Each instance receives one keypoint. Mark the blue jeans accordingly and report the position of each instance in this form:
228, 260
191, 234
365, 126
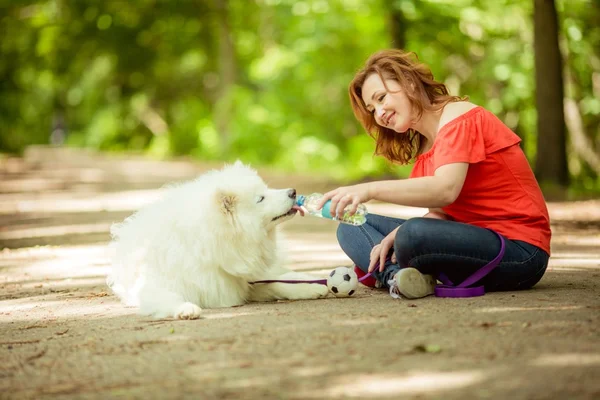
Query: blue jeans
436, 246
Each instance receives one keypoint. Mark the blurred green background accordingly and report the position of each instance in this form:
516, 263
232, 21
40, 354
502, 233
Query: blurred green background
266, 80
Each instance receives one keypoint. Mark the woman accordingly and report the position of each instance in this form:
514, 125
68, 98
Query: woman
468, 170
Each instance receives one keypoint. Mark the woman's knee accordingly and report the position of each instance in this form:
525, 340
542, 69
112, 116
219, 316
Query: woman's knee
412, 232
410, 238
345, 232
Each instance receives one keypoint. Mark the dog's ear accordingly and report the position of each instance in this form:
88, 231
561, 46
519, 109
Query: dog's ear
227, 202
238, 163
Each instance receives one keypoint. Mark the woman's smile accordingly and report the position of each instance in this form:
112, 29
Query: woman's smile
391, 119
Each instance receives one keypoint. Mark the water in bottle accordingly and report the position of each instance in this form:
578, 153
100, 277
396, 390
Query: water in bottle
310, 205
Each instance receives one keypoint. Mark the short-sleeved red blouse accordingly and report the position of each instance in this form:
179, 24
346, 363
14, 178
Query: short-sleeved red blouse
500, 191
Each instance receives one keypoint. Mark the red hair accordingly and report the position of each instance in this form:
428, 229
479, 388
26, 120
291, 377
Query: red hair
425, 94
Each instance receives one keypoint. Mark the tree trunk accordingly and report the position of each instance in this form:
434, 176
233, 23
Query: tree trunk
397, 25
551, 160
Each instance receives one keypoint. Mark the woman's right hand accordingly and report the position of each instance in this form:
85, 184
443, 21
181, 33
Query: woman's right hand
347, 196
379, 252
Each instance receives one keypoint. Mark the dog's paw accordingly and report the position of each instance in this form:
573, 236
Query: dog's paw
188, 311
310, 291
322, 291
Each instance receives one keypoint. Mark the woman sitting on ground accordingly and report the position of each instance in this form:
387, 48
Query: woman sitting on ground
469, 170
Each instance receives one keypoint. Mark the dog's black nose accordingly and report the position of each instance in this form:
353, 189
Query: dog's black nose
292, 193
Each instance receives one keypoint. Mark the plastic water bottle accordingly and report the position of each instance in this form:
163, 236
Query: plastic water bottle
310, 203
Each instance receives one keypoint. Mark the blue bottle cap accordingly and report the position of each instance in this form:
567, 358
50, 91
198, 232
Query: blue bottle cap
300, 200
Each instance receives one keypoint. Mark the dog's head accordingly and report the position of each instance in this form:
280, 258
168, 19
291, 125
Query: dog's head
244, 199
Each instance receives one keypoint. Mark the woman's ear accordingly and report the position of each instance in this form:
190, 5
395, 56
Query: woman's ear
411, 85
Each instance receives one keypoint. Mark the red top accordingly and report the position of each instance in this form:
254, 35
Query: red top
500, 191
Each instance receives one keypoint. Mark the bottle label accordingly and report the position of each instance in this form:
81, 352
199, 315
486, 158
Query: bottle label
325, 210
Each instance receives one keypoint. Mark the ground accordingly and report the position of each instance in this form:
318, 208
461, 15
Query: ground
64, 335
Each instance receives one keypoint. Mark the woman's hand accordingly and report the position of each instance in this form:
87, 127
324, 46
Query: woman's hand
379, 252
344, 196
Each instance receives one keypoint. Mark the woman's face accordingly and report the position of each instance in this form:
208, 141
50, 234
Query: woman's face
391, 109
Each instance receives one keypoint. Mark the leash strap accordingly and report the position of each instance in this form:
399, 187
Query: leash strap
448, 289
317, 281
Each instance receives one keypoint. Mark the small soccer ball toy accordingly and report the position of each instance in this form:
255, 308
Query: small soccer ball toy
342, 282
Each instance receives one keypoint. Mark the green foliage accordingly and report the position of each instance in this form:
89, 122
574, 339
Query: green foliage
266, 80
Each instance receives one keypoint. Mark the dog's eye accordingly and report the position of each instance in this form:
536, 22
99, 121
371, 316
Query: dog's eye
260, 198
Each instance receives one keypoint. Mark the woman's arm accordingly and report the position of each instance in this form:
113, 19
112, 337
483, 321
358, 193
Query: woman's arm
437, 213
430, 191
435, 191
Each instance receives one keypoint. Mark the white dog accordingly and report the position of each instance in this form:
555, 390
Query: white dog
202, 243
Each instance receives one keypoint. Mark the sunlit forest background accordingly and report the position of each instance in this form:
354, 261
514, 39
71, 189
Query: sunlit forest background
266, 80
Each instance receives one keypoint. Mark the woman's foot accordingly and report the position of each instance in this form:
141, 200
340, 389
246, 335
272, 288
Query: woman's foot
413, 285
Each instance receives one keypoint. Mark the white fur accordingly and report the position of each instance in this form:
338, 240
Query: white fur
201, 245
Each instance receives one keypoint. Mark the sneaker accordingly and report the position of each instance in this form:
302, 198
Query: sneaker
412, 284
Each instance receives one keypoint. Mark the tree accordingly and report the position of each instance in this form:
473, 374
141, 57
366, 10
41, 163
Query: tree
266, 81
551, 161
397, 26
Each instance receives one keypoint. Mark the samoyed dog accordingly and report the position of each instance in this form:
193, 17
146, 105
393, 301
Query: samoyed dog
203, 243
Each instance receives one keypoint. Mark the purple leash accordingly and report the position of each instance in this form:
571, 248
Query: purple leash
447, 289
317, 281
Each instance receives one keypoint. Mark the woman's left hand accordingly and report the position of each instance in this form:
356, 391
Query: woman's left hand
344, 196
380, 252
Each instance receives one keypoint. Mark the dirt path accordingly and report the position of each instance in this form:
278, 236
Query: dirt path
63, 335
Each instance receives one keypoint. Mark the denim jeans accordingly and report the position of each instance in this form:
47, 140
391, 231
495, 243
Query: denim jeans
435, 246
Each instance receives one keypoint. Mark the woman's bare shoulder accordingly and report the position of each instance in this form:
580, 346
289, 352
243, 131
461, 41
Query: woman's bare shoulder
454, 110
